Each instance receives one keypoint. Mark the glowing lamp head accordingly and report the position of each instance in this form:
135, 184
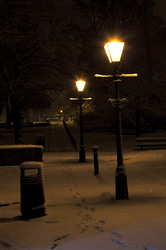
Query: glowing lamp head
80, 85
114, 50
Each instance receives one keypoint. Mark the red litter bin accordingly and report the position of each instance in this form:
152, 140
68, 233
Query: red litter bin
32, 189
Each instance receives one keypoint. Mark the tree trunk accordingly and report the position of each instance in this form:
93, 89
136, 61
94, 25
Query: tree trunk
17, 124
8, 119
137, 114
17, 127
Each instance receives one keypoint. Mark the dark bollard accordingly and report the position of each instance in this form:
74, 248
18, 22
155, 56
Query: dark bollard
32, 190
40, 140
96, 166
82, 157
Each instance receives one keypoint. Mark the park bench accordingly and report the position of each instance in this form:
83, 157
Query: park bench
151, 142
16, 154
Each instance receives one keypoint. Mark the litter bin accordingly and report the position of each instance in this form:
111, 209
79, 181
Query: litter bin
40, 140
32, 189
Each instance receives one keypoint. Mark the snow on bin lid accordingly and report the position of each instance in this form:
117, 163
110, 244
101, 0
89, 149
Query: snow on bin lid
31, 164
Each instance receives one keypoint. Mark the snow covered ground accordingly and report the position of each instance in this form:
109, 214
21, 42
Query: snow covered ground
82, 213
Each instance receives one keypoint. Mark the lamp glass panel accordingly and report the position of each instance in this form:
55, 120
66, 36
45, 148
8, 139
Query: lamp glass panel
80, 85
106, 47
114, 50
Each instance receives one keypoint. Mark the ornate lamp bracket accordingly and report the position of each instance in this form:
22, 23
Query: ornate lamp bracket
120, 103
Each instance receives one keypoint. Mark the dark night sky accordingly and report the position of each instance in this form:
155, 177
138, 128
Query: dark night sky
160, 8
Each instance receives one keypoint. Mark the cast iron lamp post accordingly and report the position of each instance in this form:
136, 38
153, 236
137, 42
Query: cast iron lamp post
80, 84
114, 51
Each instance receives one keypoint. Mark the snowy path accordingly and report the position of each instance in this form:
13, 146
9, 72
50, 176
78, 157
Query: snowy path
82, 213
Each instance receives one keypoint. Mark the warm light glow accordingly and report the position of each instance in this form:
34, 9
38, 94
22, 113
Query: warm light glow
80, 85
114, 50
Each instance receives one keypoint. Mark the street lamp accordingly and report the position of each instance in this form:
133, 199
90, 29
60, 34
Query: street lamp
80, 84
114, 51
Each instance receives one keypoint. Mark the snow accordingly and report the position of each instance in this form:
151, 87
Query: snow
82, 213
19, 146
31, 164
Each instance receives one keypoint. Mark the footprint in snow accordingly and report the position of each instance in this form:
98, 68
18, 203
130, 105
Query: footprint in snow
121, 243
58, 239
117, 234
149, 248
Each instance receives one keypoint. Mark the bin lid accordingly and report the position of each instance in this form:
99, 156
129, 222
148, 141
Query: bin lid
31, 165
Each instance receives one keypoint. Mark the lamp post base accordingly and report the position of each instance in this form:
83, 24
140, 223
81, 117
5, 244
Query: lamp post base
121, 183
82, 157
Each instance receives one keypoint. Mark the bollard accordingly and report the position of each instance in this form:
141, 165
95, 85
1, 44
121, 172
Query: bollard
40, 140
82, 157
96, 166
32, 190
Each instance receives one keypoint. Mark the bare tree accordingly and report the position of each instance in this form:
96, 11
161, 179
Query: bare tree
39, 48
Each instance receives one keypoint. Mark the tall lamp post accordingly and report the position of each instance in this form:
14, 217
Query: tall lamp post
80, 84
114, 51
